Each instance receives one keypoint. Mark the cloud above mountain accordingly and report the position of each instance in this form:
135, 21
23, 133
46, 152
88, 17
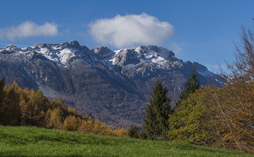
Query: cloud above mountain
28, 29
123, 31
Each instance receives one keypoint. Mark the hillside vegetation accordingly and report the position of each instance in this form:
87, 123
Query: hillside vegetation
33, 141
207, 115
27, 107
221, 117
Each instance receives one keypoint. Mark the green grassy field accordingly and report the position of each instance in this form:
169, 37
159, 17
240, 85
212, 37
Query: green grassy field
32, 141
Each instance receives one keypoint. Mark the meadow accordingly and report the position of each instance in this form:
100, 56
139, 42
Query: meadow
33, 141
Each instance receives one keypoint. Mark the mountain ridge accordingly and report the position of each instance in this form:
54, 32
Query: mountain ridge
112, 86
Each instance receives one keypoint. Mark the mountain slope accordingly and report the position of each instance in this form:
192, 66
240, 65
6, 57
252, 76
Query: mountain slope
112, 86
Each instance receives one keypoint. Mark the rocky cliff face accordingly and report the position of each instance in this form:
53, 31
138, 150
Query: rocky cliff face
112, 86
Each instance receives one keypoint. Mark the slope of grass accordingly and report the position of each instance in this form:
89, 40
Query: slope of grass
32, 141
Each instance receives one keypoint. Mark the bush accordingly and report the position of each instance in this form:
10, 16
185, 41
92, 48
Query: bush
133, 132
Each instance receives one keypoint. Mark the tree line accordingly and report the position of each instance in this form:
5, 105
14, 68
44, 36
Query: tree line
207, 115
27, 107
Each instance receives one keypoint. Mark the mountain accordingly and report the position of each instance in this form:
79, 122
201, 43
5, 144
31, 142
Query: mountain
112, 86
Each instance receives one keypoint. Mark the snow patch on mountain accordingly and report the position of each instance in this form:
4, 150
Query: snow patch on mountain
129, 59
142, 54
65, 55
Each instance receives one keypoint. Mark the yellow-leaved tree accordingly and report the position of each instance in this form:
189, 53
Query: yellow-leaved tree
194, 120
235, 101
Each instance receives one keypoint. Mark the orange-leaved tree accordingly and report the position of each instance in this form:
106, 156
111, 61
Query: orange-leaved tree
235, 101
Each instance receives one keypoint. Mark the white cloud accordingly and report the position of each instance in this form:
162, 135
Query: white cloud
123, 31
28, 29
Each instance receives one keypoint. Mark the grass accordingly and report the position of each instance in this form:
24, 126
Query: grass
32, 141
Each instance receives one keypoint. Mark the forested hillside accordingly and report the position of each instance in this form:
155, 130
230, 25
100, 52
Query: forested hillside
28, 107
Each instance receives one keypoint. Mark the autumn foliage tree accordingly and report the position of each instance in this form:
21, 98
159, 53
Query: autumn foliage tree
236, 100
221, 117
54, 118
2, 96
2, 93
35, 108
10, 107
235, 117
71, 123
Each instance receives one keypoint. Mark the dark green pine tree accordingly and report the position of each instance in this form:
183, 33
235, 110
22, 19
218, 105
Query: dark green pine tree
155, 123
190, 86
2, 97
133, 132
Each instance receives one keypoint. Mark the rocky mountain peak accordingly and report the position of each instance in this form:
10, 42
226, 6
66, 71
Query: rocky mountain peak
43, 45
72, 43
125, 56
112, 86
103, 52
152, 55
10, 49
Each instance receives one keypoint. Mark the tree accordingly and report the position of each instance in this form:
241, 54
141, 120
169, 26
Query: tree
54, 118
71, 123
238, 107
235, 101
2, 94
121, 132
155, 123
23, 99
10, 107
91, 126
190, 86
133, 131
193, 120
35, 108
243, 67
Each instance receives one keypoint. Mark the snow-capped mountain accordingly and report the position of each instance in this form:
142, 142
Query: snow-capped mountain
110, 85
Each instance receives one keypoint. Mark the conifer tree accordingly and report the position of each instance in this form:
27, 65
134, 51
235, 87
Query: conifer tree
190, 86
133, 132
157, 112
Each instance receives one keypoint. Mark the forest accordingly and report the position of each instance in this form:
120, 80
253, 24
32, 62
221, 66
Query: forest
204, 115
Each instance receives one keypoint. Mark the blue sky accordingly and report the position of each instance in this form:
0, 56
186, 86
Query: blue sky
196, 30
